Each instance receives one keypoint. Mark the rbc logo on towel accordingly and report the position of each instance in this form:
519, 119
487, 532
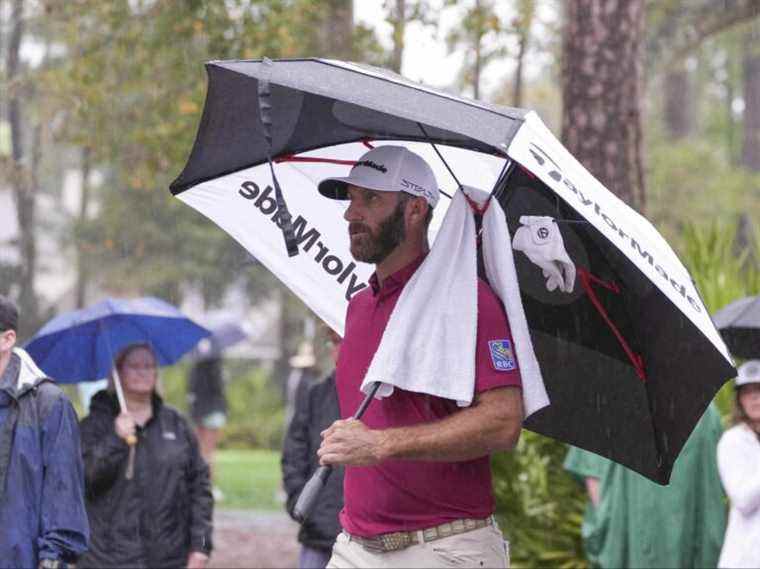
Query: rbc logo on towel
502, 357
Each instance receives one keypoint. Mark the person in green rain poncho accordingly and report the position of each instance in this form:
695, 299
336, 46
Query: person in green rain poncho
633, 522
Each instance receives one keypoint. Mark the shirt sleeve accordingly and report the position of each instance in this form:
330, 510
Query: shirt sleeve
64, 529
738, 464
496, 362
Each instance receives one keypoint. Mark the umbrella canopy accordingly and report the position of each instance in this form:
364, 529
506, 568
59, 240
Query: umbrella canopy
630, 359
223, 336
228, 334
81, 345
318, 103
739, 324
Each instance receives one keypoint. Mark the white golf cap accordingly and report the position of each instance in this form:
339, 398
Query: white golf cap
749, 372
387, 169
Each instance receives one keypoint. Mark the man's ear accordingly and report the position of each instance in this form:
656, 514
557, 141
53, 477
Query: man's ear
418, 210
7, 340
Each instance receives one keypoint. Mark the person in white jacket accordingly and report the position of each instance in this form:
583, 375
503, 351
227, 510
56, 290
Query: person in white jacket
739, 466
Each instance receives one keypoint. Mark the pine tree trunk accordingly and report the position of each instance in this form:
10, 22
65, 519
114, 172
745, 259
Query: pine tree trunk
84, 206
22, 178
517, 88
526, 10
398, 21
751, 142
339, 28
680, 111
601, 92
478, 49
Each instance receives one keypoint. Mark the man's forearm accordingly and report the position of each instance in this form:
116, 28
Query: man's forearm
492, 423
471, 433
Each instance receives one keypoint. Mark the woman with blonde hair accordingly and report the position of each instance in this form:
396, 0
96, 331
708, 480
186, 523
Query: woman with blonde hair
153, 508
739, 465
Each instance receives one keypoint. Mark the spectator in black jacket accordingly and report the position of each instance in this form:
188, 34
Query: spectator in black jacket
162, 515
316, 408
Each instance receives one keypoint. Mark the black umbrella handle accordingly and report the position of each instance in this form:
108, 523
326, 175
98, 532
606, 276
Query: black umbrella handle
308, 497
367, 399
311, 491
130, 472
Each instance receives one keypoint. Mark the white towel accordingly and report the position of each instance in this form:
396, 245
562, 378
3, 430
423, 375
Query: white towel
502, 275
429, 342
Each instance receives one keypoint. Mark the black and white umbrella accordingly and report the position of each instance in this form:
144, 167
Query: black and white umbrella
630, 358
739, 324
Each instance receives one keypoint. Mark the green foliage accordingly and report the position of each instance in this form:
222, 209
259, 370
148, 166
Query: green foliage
481, 27
249, 479
722, 274
540, 506
256, 409
173, 385
690, 182
255, 416
129, 85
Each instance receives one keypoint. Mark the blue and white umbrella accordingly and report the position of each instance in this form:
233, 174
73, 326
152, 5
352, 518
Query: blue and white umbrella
81, 345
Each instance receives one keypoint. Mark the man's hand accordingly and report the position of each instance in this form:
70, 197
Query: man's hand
350, 442
594, 492
125, 426
197, 560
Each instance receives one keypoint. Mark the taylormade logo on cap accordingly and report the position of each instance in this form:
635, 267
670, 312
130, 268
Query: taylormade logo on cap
371, 164
387, 169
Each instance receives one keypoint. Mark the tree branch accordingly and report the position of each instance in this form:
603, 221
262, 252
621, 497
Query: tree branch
687, 26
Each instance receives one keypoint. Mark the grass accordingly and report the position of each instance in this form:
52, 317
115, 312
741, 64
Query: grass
249, 479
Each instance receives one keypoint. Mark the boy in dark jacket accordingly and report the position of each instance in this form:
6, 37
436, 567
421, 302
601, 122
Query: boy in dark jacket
316, 408
43, 522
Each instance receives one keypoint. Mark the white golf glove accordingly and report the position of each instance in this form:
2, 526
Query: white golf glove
539, 238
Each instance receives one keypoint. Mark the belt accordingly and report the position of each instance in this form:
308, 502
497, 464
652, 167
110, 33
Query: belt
398, 540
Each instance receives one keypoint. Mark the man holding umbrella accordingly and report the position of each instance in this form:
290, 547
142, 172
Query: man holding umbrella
42, 515
417, 481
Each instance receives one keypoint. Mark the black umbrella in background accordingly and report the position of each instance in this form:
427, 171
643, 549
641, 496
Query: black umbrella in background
739, 324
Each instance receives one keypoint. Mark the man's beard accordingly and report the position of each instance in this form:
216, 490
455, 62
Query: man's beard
370, 248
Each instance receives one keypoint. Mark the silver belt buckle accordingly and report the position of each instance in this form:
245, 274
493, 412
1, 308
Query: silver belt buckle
395, 541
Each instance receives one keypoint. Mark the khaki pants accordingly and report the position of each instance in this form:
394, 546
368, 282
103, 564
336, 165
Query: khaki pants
484, 547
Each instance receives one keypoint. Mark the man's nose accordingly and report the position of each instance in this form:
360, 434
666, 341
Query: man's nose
352, 212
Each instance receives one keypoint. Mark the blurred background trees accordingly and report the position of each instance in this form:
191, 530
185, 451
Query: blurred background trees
100, 101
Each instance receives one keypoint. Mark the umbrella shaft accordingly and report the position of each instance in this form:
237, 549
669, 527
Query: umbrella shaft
119, 391
367, 399
130, 473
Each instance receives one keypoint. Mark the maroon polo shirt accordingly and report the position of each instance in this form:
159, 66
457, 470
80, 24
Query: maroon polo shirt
404, 494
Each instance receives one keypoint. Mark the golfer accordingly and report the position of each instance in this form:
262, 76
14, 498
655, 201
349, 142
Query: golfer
417, 484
